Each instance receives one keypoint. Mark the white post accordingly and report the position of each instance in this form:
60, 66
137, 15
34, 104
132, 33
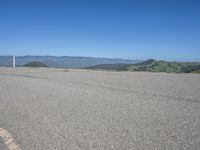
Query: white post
13, 61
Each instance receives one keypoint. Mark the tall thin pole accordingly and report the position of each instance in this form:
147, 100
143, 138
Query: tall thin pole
13, 61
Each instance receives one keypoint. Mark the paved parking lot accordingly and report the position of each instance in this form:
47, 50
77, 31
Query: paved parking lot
56, 109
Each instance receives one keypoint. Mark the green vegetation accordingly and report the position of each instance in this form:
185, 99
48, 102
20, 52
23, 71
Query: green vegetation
117, 67
152, 65
35, 64
157, 66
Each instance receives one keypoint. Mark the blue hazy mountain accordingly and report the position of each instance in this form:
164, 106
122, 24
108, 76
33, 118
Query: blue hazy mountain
64, 61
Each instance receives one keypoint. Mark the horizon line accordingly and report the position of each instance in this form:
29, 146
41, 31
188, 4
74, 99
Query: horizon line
100, 57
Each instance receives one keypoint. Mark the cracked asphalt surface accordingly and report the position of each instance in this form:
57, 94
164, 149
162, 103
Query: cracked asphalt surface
98, 110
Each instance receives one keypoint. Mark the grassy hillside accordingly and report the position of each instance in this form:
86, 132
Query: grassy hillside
117, 67
35, 64
152, 65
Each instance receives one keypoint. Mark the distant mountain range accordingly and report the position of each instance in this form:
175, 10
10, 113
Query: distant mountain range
152, 65
64, 61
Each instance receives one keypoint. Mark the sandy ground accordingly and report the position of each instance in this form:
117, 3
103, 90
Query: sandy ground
59, 110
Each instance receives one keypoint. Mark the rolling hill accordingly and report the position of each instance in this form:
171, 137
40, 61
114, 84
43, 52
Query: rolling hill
152, 65
35, 64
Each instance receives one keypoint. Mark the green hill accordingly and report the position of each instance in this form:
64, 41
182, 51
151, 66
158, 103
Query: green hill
117, 67
163, 66
35, 64
152, 65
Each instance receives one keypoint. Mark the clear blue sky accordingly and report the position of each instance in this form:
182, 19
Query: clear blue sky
135, 29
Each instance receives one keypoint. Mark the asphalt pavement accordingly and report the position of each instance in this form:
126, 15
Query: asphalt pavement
2, 145
56, 109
